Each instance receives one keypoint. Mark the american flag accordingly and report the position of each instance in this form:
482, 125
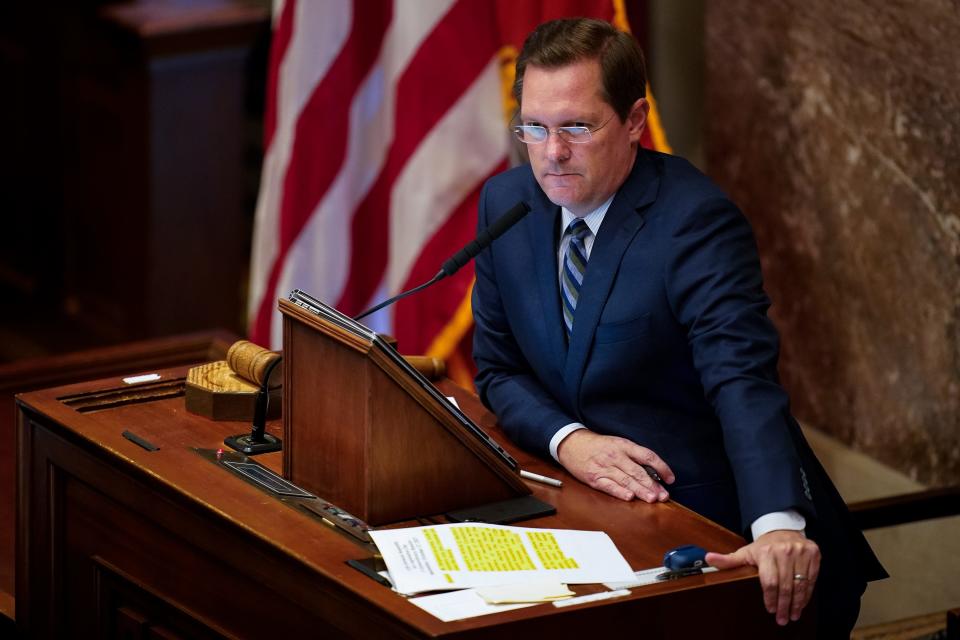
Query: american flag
384, 118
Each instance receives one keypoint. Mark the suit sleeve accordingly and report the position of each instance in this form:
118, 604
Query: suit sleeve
507, 385
715, 288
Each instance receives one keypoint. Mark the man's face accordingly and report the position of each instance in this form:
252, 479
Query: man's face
579, 177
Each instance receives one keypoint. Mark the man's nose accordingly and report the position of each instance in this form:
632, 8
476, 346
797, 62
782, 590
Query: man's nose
557, 148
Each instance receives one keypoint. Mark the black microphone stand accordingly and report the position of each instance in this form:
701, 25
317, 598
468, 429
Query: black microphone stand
258, 440
440, 275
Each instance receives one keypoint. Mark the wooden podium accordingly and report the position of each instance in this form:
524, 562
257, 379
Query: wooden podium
367, 431
114, 540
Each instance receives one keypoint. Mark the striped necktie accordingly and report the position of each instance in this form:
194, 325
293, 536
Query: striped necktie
574, 266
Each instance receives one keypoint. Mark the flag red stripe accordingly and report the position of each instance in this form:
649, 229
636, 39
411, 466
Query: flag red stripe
432, 83
518, 19
320, 141
282, 34
418, 321
320, 138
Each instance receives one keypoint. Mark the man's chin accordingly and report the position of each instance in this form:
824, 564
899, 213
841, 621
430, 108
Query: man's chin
562, 197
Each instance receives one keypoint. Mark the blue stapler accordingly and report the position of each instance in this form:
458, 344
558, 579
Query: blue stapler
686, 560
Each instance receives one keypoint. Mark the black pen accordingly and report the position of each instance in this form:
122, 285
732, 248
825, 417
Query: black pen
369, 572
652, 473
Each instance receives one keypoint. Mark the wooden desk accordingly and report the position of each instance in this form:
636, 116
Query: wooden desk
49, 371
114, 539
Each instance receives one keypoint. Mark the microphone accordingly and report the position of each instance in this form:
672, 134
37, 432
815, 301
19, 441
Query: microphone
485, 238
462, 257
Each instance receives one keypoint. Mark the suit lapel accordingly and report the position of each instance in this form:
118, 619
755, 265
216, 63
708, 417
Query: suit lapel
621, 224
542, 234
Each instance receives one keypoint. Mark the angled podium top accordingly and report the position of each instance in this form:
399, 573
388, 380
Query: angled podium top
364, 428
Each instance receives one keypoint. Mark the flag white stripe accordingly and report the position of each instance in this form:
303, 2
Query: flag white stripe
317, 37
457, 154
319, 257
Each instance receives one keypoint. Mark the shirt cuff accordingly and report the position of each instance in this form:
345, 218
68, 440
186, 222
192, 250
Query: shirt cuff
789, 519
560, 435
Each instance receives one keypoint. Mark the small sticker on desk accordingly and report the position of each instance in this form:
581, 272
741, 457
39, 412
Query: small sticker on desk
147, 377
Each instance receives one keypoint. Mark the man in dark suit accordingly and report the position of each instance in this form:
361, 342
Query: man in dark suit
623, 323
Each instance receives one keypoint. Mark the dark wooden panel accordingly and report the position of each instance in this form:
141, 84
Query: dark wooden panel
27, 375
158, 235
133, 161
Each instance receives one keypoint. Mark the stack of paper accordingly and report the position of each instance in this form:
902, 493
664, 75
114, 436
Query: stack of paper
534, 563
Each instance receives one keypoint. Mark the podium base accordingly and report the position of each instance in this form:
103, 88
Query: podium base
244, 443
504, 511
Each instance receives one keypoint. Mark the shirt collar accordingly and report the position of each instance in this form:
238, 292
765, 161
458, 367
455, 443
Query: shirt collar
593, 219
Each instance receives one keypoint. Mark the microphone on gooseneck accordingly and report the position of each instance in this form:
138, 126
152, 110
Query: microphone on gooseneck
462, 257
485, 238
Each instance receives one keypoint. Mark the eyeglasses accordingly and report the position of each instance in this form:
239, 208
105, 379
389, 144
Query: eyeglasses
536, 134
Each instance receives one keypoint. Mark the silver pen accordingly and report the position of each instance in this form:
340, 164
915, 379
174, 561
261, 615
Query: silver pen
539, 478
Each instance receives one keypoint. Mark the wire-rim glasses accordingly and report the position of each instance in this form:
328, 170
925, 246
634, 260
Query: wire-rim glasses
538, 134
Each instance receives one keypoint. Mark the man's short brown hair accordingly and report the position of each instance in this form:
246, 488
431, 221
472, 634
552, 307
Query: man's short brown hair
561, 42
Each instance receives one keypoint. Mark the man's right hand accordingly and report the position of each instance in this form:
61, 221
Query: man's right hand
614, 465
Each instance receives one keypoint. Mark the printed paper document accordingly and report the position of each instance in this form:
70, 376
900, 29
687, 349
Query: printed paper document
465, 555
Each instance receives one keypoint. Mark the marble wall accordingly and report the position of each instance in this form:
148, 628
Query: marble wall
836, 127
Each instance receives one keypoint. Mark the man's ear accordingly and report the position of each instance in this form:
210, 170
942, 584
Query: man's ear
637, 119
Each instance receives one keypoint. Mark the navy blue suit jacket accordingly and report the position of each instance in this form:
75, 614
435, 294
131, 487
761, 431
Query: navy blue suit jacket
671, 345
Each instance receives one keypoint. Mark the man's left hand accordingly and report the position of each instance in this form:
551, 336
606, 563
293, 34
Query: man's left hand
788, 565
